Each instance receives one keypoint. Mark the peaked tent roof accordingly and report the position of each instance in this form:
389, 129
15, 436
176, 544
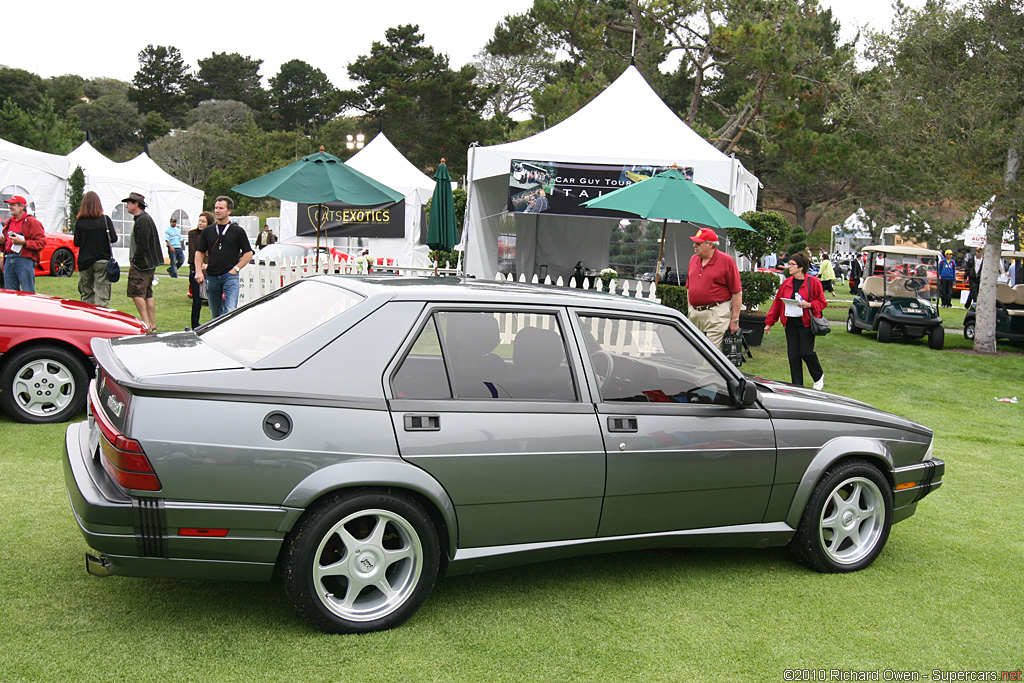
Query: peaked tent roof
382, 161
91, 160
145, 169
44, 177
626, 124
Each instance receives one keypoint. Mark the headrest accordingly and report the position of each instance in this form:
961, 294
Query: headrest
472, 334
537, 350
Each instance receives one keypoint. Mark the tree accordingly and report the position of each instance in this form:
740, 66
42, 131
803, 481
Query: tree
194, 154
42, 130
429, 110
76, 190
946, 112
161, 83
771, 229
22, 88
511, 80
227, 114
230, 76
112, 121
66, 91
302, 97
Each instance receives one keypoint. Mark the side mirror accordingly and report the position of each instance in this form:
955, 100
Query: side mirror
744, 392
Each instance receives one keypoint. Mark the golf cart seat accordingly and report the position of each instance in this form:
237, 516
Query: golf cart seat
874, 290
1007, 296
1019, 289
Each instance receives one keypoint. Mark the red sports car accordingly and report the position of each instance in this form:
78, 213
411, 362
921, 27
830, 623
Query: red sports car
45, 355
59, 257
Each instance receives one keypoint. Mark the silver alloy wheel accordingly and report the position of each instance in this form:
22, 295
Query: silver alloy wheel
852, 520
367, 565
43, 387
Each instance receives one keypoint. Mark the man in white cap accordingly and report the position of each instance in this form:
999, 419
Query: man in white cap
713, 288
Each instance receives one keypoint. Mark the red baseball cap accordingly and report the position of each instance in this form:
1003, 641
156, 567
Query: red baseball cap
705, 235
16, 199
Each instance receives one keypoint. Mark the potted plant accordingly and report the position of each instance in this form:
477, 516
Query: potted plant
770, 229
608, 276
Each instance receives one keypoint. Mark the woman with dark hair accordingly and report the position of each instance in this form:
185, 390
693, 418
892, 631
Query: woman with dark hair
205, 218
94, 233
809, 296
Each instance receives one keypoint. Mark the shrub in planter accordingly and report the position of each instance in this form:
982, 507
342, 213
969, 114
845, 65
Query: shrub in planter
758, 289
673, 297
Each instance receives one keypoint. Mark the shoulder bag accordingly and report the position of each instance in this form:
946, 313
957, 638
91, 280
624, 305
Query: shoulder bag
819, 326
113, 270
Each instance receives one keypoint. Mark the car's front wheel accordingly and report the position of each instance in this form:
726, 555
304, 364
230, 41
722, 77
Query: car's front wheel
851, 326
884, 331
62, 263
361, 561
847, 519
43, 384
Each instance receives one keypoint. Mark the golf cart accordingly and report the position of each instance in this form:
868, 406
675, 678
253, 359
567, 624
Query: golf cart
900, 299
1009, 309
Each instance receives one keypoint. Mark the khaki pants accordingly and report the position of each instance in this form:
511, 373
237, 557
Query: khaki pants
93, 285
713, 322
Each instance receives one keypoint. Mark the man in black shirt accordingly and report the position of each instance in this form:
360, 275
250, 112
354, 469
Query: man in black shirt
224, 246
144, 254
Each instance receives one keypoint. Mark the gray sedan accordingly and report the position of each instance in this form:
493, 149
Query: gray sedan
361, 437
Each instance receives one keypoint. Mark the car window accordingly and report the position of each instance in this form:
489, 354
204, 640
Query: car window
490, 355
278, 253
643, 361
256, 331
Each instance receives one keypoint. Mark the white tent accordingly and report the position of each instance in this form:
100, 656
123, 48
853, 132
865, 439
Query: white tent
166, 196
382, 161
626, 125
40, 177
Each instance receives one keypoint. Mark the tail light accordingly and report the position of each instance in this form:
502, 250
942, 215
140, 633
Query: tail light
123, 458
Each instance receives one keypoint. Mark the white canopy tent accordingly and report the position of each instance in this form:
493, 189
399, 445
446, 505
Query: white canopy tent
382, 161
40, 177
166, 196
628, 125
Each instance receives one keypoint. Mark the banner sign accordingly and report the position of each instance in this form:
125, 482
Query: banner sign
338, 219
558, 187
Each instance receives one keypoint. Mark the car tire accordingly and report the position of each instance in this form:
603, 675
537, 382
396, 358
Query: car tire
969, 331
43, 384
851, 325
936, 337
847, 519
884, 331
369, 540
62, 263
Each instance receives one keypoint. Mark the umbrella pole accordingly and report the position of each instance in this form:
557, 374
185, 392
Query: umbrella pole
319, 225
661, 250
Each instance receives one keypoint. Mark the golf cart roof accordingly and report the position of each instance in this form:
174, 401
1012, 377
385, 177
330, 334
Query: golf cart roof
902, 251
1012, 254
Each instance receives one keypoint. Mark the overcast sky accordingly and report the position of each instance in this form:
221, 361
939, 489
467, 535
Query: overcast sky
60, 36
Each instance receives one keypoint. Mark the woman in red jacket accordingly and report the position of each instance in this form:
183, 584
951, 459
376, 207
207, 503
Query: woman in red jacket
810, 297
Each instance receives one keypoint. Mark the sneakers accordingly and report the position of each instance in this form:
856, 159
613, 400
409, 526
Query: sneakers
819, 383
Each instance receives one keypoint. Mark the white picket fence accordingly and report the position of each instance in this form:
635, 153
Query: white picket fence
614, 286
257, 280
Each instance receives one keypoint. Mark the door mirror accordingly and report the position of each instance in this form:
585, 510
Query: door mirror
744, 392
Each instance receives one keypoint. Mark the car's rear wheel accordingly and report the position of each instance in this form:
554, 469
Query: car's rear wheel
884, 331
851, 325
361, 562
43, 384
847, 519
62, 263
936, 337
969, 331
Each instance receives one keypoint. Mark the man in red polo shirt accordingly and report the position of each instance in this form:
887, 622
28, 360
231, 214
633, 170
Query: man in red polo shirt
713, 288
24, 238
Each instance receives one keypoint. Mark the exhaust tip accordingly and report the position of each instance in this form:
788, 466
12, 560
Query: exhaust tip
97, 566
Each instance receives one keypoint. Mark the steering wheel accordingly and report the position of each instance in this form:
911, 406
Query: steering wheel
604, 367
915, 284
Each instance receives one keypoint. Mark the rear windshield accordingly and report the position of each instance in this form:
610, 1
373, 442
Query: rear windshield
278, 319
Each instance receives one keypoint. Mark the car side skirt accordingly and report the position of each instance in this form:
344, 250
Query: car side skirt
470, 560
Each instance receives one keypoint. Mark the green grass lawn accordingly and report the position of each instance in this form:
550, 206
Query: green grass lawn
947, 592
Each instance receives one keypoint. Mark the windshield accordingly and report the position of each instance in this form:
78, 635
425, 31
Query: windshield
254, 332
278, 253
910, 276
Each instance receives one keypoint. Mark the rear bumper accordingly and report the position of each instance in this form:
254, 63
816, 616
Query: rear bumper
142, 536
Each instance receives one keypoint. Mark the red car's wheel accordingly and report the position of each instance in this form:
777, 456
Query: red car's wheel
62, 263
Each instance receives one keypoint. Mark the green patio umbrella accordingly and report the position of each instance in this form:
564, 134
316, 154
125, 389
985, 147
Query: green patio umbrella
441, 230
669, 195
317, 179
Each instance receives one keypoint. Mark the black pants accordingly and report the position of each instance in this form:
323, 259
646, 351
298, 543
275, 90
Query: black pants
197, 301
946, 291
972, 294
800, 349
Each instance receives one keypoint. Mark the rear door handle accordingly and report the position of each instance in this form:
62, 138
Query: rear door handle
622, 423
422, 423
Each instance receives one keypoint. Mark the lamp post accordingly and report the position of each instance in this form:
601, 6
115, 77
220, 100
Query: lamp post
355, 141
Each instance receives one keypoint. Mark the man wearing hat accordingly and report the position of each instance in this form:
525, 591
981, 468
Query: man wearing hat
24, 238
145, 254
947, 276
713, 291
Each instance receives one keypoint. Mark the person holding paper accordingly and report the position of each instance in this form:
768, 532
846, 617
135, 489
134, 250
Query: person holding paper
799, 297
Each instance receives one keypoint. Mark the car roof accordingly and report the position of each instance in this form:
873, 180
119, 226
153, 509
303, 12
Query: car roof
902, 251
471, 290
